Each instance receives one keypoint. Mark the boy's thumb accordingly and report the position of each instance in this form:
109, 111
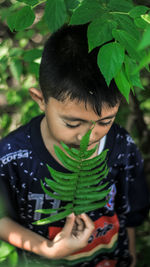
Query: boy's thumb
69, 224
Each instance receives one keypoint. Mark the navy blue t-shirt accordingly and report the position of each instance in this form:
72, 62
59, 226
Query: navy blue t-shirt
23, 159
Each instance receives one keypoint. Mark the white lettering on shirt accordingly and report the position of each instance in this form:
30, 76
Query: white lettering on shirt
14, 155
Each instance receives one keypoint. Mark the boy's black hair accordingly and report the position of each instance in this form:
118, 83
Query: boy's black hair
67, 70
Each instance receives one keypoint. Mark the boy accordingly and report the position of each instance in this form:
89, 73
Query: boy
73, 95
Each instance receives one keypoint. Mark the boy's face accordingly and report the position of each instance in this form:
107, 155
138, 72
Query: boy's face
68, 121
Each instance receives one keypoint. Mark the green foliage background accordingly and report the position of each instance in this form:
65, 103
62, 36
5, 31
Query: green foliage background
21, 42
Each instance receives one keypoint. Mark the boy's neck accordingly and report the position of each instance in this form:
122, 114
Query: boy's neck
47, 140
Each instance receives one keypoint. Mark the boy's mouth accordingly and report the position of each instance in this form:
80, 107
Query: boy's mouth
74, 146
78, 146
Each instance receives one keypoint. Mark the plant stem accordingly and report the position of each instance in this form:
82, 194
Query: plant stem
40, 2
119, 12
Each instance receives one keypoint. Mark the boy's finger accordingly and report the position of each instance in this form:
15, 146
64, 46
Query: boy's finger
80, 224
89, 226
70, 220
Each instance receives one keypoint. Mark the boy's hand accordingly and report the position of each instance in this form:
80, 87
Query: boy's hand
73, 237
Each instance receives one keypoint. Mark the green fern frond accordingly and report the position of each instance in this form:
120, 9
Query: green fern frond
83, 188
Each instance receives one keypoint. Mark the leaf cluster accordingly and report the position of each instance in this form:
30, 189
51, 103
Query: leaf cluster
82, 189
117, 28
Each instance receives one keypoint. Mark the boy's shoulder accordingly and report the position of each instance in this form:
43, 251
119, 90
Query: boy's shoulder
17, 139
118, 134
120, 145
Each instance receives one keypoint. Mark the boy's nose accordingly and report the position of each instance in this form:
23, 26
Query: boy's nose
93, 136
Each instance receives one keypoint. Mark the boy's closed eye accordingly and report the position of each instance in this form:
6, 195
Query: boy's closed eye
101, 123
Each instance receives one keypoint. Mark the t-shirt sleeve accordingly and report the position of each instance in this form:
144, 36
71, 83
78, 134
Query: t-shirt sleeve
133, 196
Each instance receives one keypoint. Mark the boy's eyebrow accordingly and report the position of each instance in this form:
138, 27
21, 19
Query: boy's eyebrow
71, 118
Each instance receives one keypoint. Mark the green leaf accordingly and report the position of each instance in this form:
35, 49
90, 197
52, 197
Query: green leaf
91, 189
84, 198
48, 211
85, 141
59, 175
88, 167
5, 249
92, 172
140, 23
120, 6
53, 218
64, 198
55, 14
134, 79
104, 171
128, 42
137, 11
123, 84
34, 68
86, 12
100, 32
29, 2
75, 151
86, 154
3, 259
16, 52
31, 55
11, 21
21, 19
16, 68
69, 163
71, 4
127, 24
63, 181
90, 152
58, 186
145, 42
69, 151
146, 17
13, 259
97, 159
145, 60
87, 182
90, 207
110, 60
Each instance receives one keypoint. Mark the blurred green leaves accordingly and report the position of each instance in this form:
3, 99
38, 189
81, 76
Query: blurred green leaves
29, 2
21, 19
8, 254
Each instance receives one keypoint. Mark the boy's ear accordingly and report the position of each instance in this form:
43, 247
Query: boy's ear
37, 96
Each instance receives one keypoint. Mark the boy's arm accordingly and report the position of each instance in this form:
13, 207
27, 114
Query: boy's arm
132, 249
64, 244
